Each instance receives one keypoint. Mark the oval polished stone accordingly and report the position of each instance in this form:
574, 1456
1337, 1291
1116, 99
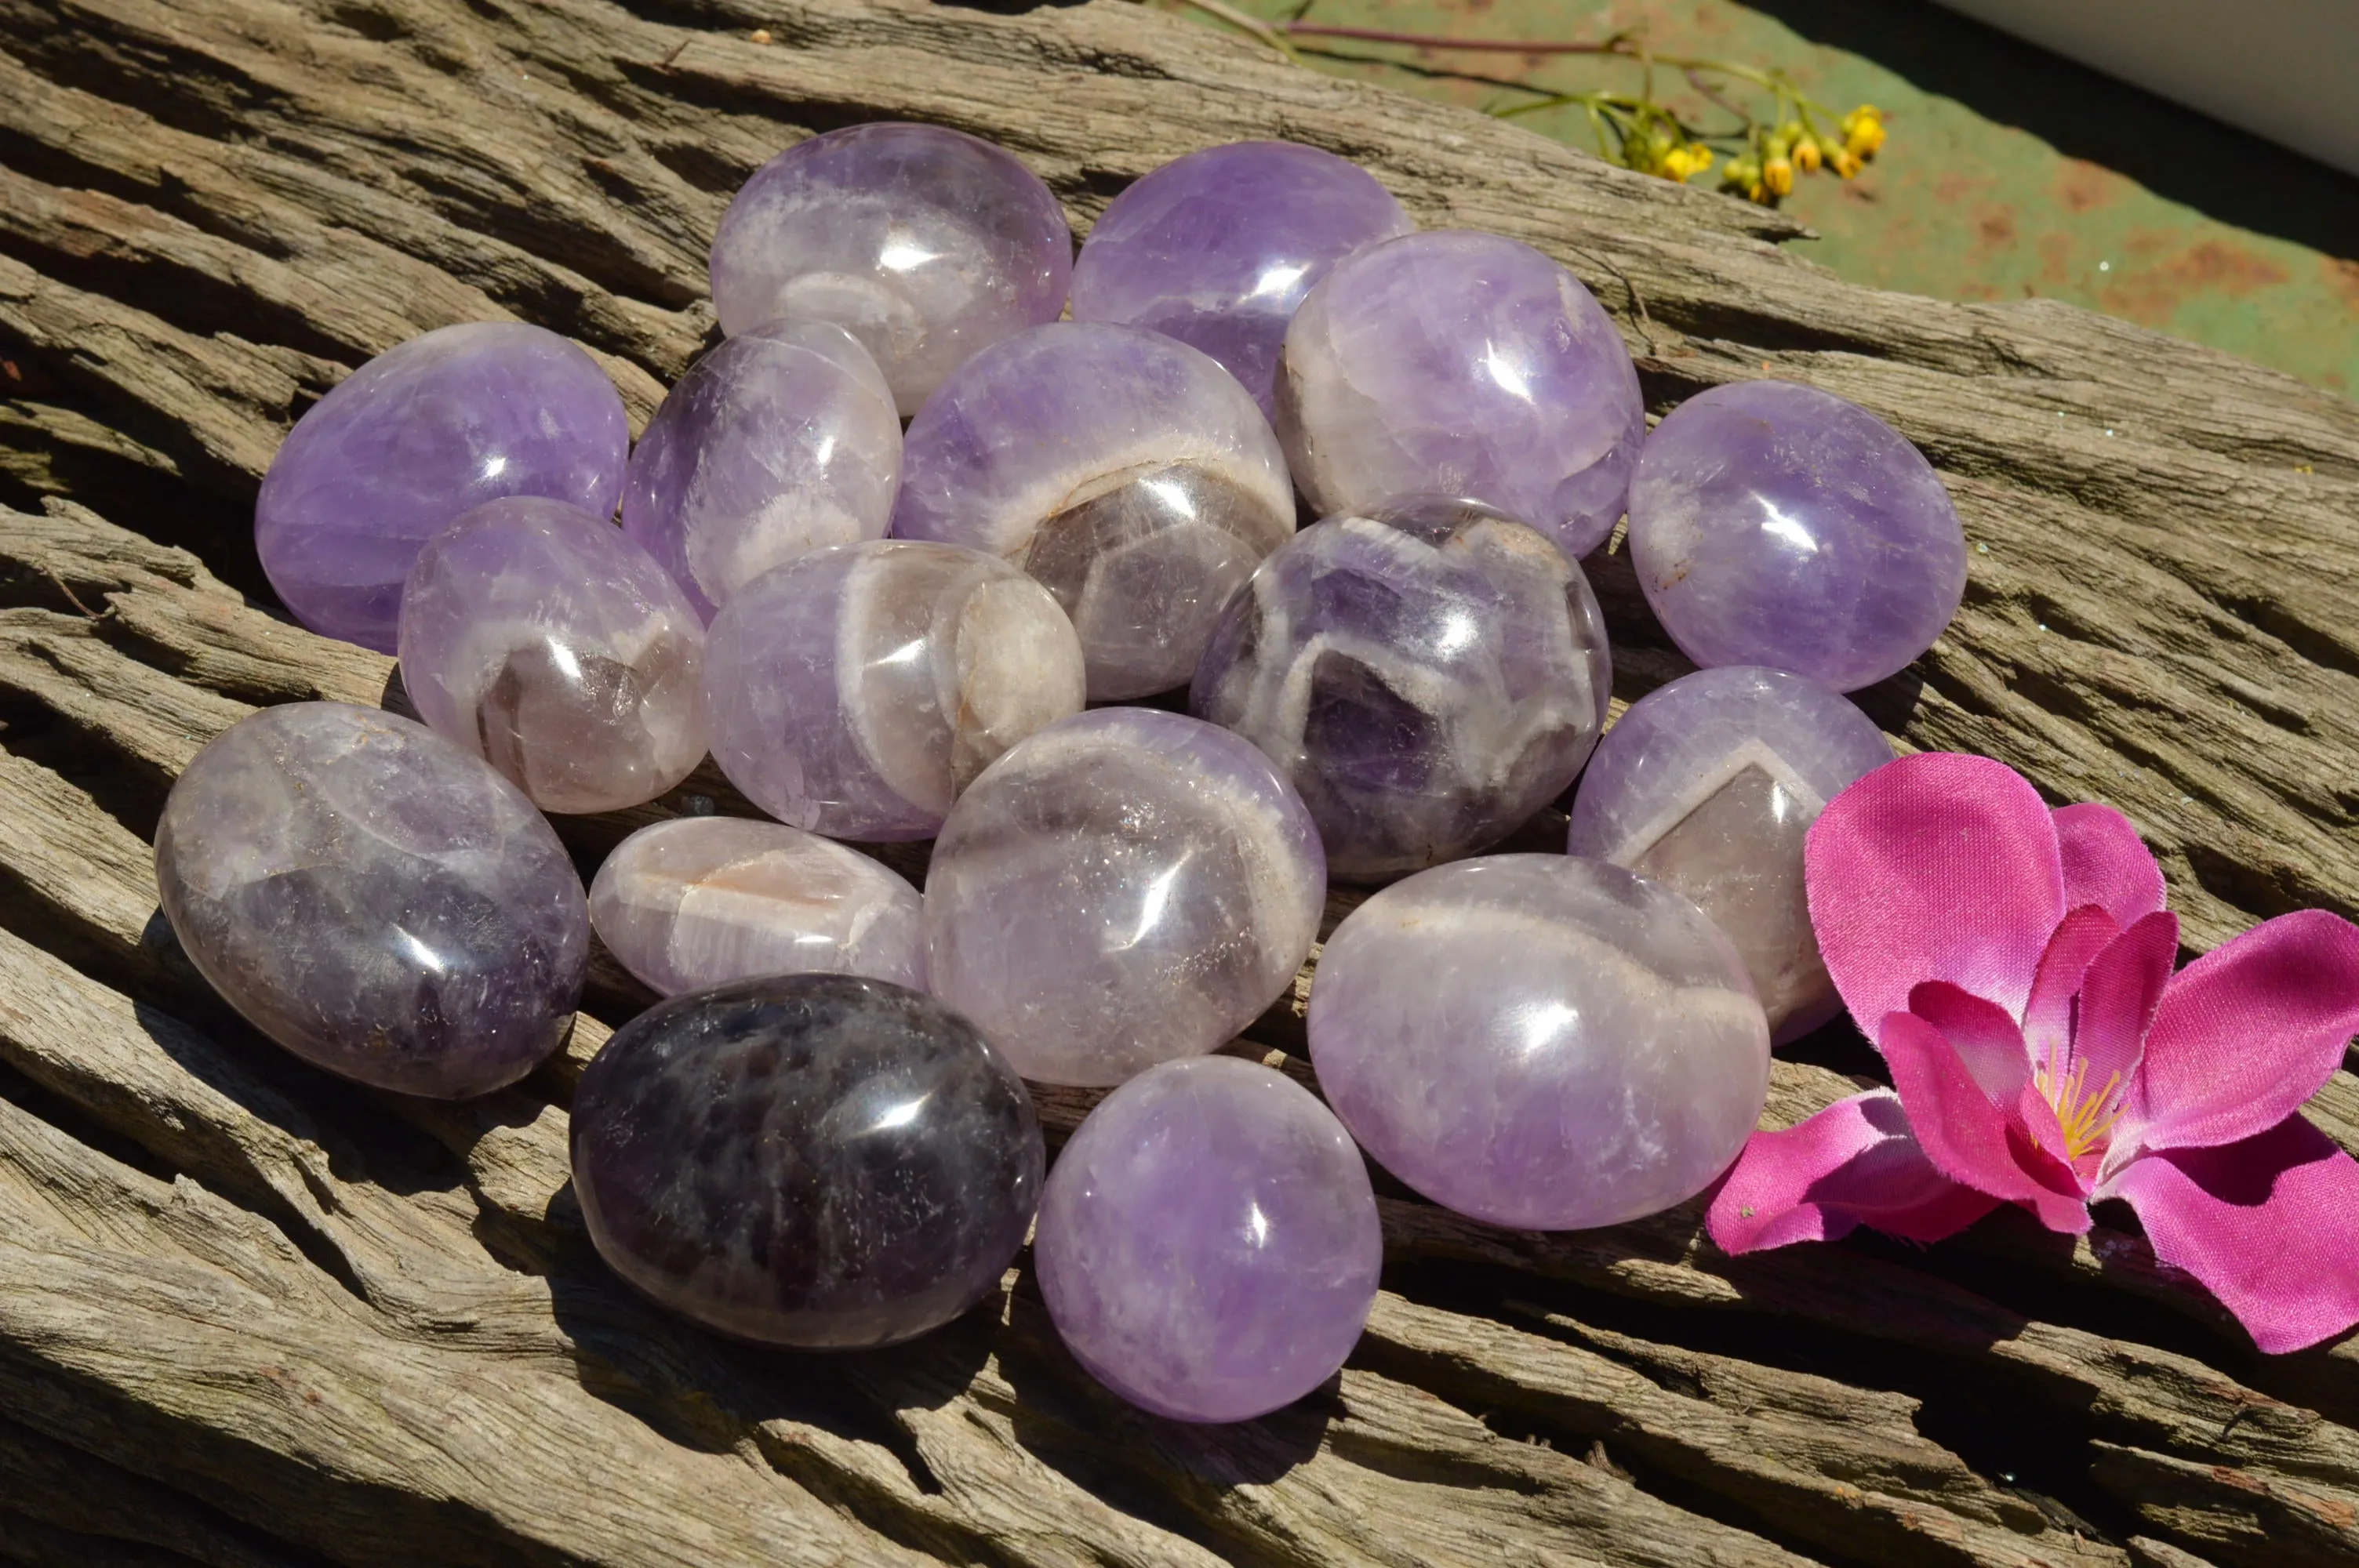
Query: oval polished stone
1539, 1042
824, 1161
546, 642
1128, 472
856, 690
426, 430
373, 899
1218, 248
1458, 363
1428, 677
705, 900
1125, 887
1773, 523
1209, 1245
1709, 785
925, 244
781, 442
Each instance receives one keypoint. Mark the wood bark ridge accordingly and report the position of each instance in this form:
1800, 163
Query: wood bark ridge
250, 1316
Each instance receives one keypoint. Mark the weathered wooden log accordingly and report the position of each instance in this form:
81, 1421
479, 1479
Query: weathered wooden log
251, 1316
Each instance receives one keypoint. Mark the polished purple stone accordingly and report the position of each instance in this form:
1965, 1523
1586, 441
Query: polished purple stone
925, 244
1427, 677
781, 442
1708, 786
420, 434
1126, 471
1539, 1042
373, 899
1459, 364
1773, 523
1208, 1242
1125, 887
855, 690
1218, 248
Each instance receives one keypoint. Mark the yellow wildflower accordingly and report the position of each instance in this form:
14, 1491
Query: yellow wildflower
1845, 162
1862, 131
1777, 176
1684, 163
1806, 155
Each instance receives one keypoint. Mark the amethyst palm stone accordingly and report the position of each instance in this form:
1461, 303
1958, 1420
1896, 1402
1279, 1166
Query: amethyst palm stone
1427, 677
373, 899
1218, 248
1709, 785
421, 433
1209, 1245
1773, 523
824, 1161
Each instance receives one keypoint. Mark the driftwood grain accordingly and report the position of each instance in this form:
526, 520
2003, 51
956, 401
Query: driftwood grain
253, 1318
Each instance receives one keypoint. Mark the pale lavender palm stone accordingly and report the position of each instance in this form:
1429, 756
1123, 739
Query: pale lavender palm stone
1207, 1241
855, 691
546, 642
1126, 887
1126, 470
1459, 364
1774, 523
1539, 1042
781, 442
925, 244
424, 431
373, 899
1708, 785
1428, 677
695, 901
1218, 248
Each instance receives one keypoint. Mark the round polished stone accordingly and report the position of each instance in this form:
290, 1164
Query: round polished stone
855, 691
1708, 785
1209, 1244
1218, 248
1428, 677
1125, 887
1128, 472
424, 431
373, 899
1458, 363
1539, 1042
781, 442
924, 244
702, 900
1776, 525
824, 1161
544, 641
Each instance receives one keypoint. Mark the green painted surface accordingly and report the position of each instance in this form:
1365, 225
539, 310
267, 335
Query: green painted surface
2009, 172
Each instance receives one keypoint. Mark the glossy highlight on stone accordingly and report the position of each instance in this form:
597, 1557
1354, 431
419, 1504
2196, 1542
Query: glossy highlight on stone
1209, 1245
1458, 363
705, 900
925, 244
1774, 523
1218, 248
373, 899
1539, 1042
1129, 474
1427, 677
781, 442
1124, 888
546, 642
423, 432
822, 1162
1708, 785
855, 691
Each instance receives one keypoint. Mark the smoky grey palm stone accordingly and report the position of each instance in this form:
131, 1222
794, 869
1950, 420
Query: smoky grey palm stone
376, 900
821, 1162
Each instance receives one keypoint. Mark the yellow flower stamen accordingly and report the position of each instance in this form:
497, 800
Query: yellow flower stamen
2086, 1118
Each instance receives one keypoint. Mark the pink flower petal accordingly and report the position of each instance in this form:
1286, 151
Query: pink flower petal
1967, 1137
2105, 863
2118, 998
1981, 1033
2247, 1032
1936, 866
2048, 1015
1852, 1163
2270, 1224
